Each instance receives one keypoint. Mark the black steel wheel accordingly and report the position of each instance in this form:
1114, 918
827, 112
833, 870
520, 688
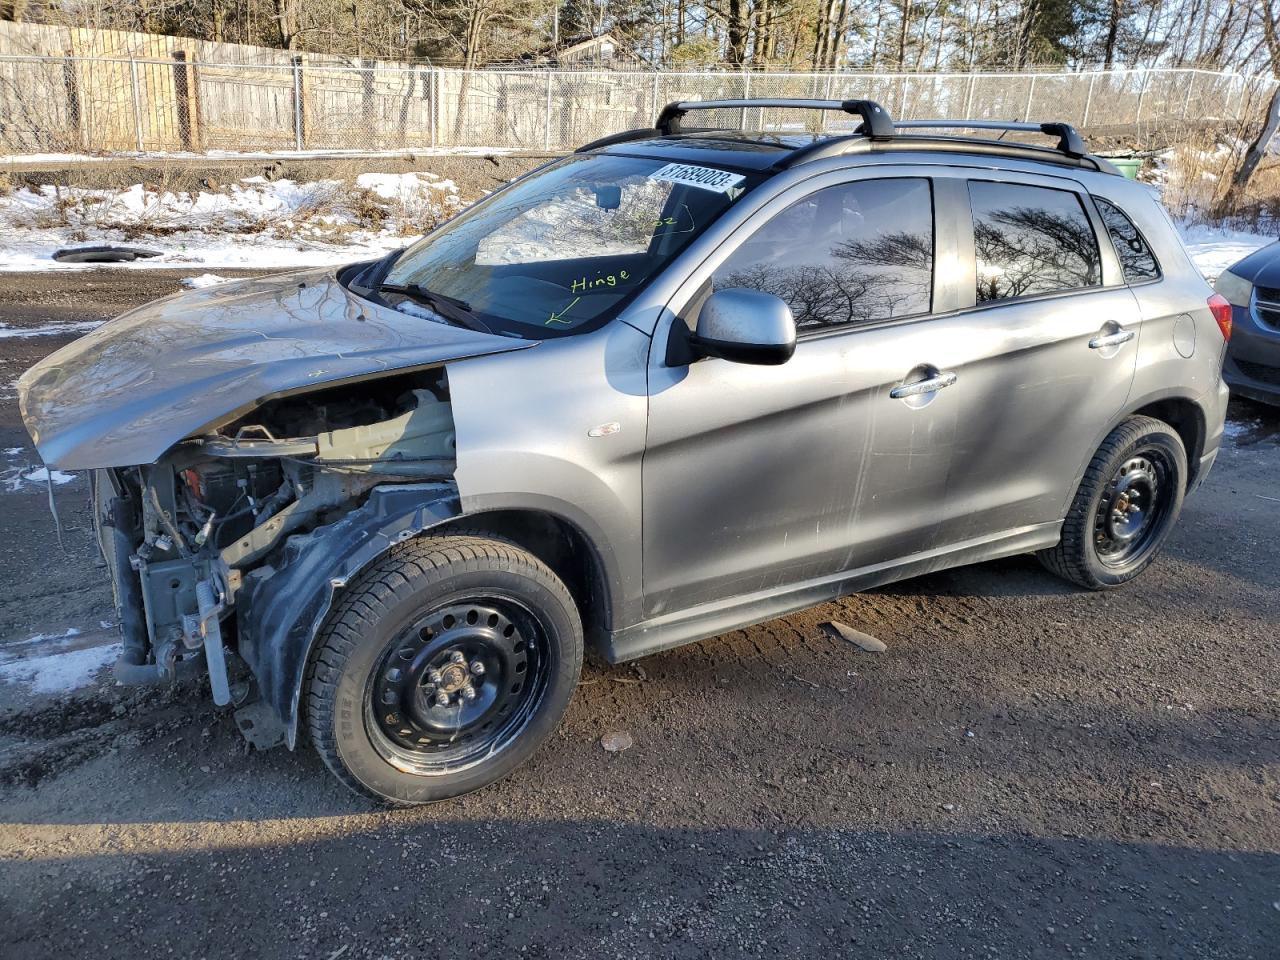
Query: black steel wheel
1132, 505
442, 668
458, 685
1125, 507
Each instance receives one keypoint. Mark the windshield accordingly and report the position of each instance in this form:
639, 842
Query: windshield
563, 249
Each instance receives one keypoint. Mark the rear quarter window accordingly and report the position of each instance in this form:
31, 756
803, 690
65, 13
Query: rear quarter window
1136, 259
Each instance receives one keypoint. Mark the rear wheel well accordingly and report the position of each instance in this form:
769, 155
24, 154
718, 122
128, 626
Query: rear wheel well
1188, 420
557, 543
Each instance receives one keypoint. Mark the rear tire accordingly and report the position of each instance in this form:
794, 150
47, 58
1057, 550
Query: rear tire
1125, 507
442, 669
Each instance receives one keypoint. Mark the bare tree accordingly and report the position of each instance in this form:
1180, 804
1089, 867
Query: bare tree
1258, 148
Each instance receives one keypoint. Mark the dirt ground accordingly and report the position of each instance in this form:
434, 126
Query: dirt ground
1029, 770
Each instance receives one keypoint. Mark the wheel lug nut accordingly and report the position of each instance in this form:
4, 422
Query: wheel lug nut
442, 699
433, 676
468, 693
477, 668
457, 657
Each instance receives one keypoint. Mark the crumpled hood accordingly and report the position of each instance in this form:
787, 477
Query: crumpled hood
130, 390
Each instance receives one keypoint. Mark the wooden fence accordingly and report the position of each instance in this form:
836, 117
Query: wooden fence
108, 92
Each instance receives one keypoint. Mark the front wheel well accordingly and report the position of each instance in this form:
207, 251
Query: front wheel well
557, 543
1186, 417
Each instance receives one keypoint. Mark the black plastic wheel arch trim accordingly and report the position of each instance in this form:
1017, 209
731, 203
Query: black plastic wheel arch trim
282, 605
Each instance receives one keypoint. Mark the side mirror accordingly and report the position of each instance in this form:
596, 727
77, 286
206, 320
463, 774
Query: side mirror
745, 326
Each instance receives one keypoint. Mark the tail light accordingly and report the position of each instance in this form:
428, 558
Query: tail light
1221, 311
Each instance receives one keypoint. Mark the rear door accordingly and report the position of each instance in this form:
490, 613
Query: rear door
1052, 353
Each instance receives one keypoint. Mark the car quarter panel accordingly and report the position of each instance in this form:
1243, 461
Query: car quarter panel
1180, 348
562, 432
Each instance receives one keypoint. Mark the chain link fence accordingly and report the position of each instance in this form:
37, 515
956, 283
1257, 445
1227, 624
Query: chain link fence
103, 105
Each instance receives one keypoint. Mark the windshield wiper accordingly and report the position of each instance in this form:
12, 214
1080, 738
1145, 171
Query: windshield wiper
452, 309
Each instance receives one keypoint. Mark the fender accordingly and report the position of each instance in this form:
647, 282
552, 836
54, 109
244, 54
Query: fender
1132, 405
281, 607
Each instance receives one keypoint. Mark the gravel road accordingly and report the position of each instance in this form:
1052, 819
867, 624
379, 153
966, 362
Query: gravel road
1028, 770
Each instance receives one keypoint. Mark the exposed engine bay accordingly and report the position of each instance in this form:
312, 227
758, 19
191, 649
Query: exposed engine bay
180, 535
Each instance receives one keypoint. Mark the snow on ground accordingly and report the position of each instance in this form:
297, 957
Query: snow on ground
45, 664
251, 223
202, 281
52, 329
1213, 249
17, 478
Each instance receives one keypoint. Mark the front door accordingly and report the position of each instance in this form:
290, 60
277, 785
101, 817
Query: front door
757, 478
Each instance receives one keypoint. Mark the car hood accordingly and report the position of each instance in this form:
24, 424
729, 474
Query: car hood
137, 385
1261, 268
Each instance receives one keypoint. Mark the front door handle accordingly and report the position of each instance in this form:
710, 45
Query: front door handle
939, 380
1111, 339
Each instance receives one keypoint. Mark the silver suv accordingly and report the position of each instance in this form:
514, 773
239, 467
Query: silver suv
679, 382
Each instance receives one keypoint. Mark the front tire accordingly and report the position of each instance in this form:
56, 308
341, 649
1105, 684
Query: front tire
442, 669
1125, 508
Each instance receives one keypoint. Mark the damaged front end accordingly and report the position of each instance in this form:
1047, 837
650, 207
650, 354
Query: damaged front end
225, 552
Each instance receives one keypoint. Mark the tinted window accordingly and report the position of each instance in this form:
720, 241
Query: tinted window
855, 253
1031, 240
1136, 258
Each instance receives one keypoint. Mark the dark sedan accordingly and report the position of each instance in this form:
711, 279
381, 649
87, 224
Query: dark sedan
1252, 367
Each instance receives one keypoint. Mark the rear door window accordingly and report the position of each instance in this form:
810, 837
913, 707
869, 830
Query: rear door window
1030, 241
853, 253
1136, 259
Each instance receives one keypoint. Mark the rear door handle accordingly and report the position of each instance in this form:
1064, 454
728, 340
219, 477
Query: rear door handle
944, 379
1111, 339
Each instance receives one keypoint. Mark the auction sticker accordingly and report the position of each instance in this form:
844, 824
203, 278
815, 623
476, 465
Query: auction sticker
705, 178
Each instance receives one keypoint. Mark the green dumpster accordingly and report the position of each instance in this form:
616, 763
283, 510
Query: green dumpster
1129, 166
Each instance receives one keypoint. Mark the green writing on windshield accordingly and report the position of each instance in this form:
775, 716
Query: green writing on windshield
558, 316
602, 280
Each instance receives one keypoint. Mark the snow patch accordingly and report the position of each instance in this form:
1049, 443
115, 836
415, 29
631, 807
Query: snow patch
1214, 249
16, 478
254, 222
393, 186
48, 330
59, 671
42, 638
204, 280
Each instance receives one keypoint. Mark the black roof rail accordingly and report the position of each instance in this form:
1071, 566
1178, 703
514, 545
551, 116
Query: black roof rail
877, 126
876, 122
1069, 140
626, 136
